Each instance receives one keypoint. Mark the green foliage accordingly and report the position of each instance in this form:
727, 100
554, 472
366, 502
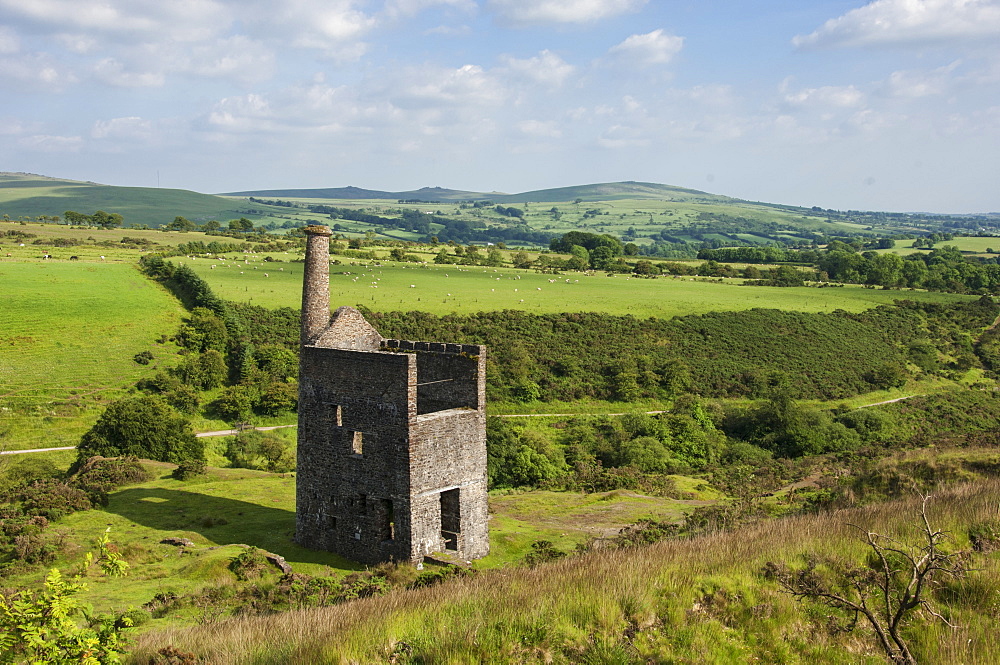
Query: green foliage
43, 627
542, 551
260, 450
143, 357
203, 371
236, 403
203, 331
189, 469
97, 476
724, 354
277, 398
645, 532
248, 564
518, 459
143, 426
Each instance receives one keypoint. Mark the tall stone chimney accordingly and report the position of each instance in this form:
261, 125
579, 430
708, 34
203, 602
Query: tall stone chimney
316, 283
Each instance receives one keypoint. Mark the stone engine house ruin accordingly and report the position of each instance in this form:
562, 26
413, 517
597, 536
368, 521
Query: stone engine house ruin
392, 435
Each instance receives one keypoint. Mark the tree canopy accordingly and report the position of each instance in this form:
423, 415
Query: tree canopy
145, 426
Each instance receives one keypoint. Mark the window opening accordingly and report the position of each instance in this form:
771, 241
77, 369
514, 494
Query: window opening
451, 522
387, 516
357, 443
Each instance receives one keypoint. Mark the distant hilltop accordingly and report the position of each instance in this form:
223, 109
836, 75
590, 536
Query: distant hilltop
596, 192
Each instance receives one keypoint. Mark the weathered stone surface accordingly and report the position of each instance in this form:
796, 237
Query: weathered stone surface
392, 442
179, 542
279, 561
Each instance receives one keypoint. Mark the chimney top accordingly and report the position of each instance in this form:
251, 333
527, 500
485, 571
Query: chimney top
318, 230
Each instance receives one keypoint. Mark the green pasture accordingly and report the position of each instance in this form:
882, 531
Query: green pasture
94, 242
68, 335
227, 508
32, 196
965, 244
457, 289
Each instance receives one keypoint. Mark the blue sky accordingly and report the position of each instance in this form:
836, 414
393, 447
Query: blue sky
889, 105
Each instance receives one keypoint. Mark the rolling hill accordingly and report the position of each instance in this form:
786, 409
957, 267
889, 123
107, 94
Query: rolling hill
596, 192
29, 195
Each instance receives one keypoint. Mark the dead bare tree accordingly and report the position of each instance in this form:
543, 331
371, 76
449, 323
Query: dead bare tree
886, 589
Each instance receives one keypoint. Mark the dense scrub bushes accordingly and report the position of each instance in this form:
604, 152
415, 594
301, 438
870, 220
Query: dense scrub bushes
591, 355
35, 497
251, 350
722, 354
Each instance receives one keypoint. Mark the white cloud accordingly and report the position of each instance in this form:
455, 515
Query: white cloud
823, 97
50, 143
540, 129
131, 20
235, 57
652, 48
247, 113
396, 8
9, 41
466, 86
141, 43
36, 71
915, 83
331, 26
908, 21
546, 12
546, 68
114, 72
123, 129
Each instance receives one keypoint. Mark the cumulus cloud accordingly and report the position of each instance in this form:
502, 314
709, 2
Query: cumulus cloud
141, 43
396, 8
37, 70
916, 83
131, 128
132, 20
540, 129
908, 21
823, 97
51, 143
546, 68
469, 85
652, 48
114, 72
9, 41
547, 12
241, 114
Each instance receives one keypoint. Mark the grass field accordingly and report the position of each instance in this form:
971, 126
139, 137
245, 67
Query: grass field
697, 600
68, 334
969, 245
232, 507
454, 289
25, 195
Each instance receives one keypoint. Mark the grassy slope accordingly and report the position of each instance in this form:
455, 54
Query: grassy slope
448, 289
68, 334
258, 509
30, 196
685, 601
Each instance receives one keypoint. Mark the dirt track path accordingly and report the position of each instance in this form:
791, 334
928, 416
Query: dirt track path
224, 432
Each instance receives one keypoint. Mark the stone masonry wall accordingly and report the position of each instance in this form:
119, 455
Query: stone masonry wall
392, 435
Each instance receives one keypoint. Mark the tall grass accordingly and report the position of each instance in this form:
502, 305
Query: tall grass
700, 599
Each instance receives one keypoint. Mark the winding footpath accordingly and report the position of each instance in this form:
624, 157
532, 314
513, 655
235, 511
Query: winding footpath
224, 432
232, 432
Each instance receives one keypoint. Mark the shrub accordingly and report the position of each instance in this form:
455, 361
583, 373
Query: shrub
52, 499
189, 469
542, 551
260, 450
143, 426
143, 357
248, 564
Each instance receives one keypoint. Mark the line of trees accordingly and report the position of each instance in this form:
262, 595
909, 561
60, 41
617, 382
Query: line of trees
105, 220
